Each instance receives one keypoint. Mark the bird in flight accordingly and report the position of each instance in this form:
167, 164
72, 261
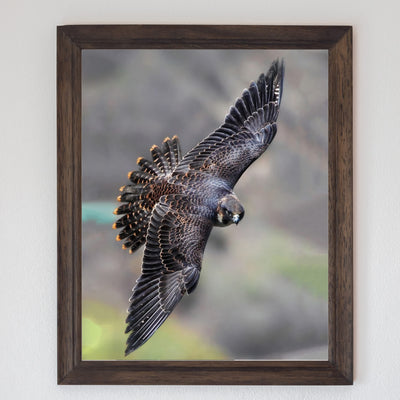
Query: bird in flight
172, 202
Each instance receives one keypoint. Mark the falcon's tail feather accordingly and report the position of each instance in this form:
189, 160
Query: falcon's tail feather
140, 197
165, 159
134, 224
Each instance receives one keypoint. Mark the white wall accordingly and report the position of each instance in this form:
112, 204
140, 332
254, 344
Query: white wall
28, 187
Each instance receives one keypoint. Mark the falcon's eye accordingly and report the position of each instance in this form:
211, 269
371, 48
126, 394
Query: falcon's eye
225, 211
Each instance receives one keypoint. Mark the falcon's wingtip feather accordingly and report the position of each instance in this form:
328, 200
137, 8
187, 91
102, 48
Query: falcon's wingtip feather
280, 65
272, 82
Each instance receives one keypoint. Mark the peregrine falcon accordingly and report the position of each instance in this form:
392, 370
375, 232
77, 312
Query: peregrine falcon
172, 202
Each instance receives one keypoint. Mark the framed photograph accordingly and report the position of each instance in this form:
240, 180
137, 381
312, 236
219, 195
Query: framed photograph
145, 129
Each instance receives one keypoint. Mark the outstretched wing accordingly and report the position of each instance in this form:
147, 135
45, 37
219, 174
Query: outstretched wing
248, 130
175, 242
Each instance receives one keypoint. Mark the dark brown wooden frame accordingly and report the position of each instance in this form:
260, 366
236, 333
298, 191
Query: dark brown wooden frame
338, 370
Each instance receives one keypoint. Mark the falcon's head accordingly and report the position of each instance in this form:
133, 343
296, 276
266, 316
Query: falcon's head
229, 210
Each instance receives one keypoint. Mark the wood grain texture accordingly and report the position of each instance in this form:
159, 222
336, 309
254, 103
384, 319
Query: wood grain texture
68, 203
204, 36
341, 206
338, 370
205, 372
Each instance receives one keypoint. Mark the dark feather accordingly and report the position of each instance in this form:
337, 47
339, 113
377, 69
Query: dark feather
171, 266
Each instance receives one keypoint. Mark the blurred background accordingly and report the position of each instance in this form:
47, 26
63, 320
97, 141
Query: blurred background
263, 290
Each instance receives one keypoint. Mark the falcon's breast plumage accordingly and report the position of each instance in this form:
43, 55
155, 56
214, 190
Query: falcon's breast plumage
172, 202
